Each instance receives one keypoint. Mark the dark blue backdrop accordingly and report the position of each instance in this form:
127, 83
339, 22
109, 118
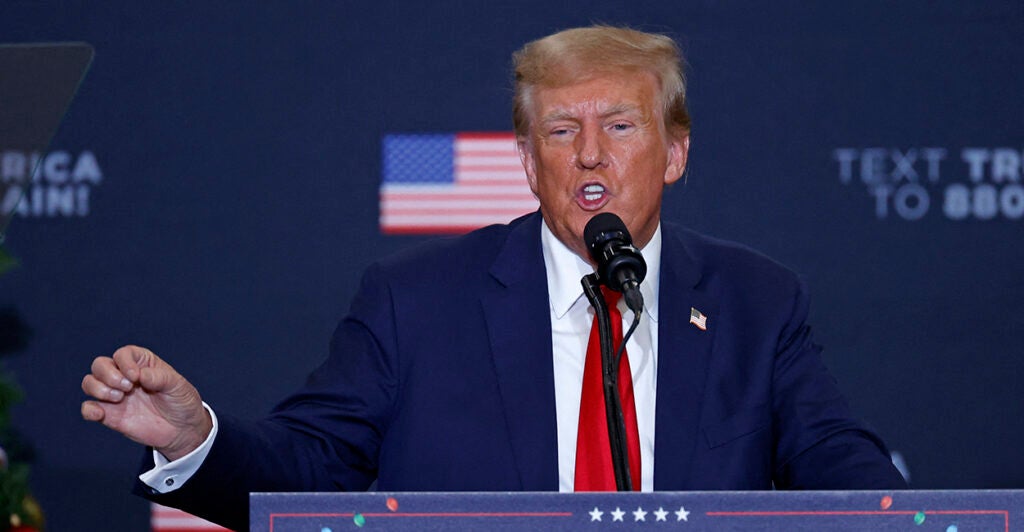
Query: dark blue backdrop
874, 146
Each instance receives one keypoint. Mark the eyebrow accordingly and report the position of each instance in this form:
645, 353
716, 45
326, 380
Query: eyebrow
611, 111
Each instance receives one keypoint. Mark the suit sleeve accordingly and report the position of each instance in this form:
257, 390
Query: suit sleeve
819, 445
325, 437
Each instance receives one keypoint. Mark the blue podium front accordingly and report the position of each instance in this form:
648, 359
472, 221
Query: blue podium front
949, 511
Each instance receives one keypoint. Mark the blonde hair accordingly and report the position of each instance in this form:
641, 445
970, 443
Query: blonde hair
580, 54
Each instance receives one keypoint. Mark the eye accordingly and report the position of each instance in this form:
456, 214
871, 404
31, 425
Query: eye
622, 126
561, 132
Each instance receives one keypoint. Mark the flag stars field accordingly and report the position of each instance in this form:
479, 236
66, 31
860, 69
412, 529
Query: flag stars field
661, 514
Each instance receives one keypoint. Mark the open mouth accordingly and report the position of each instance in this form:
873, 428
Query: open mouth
592, 196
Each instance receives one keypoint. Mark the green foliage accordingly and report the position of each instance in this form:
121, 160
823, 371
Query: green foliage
9, 394
16, 503
6, 261
13, 491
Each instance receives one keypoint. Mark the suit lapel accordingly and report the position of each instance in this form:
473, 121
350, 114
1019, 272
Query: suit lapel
519, 327
683, 353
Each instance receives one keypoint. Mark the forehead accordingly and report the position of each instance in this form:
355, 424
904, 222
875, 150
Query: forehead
598, 95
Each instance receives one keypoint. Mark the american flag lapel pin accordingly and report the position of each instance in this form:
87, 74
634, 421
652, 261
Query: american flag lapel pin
698, 319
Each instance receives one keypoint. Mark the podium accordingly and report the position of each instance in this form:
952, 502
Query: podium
948, 511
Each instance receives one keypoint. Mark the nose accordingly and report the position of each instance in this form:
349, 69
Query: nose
590, 149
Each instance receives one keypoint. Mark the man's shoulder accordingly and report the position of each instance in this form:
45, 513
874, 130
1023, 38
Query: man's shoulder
726, 260
475, 251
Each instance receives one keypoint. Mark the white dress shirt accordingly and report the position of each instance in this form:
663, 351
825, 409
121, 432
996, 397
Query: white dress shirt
168, 476
571, 319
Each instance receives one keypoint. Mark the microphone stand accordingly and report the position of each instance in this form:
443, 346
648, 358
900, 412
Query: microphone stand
610, 374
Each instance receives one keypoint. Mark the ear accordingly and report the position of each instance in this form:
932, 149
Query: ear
525, 148
679, 149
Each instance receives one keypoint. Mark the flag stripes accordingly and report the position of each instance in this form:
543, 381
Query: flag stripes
451, 183
164, 519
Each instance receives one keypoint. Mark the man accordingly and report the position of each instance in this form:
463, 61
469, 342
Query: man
461, 363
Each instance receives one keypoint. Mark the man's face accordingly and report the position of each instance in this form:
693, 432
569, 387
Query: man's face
601, 146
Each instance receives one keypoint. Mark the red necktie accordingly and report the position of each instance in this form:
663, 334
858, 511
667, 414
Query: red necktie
593, 452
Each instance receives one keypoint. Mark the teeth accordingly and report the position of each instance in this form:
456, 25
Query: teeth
593, 192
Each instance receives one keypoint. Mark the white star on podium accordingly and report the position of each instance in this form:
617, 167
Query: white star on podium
595, 514
639, 514
682, 514
660, 514
617, 514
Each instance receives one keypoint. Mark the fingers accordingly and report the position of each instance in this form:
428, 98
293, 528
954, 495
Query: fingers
114, 376
136, 365
130, 359
98, 390
92, 411
106, 373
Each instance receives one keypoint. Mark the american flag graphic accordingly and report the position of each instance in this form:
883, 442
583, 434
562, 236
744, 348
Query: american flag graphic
164, 519
699, 319
451, 183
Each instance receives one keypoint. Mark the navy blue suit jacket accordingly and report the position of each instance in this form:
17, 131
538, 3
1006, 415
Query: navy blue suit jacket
441, 379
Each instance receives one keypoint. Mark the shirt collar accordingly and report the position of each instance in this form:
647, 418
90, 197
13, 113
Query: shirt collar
565, 269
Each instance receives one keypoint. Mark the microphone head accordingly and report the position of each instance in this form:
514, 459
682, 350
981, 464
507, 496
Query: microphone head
611, 247
602, 228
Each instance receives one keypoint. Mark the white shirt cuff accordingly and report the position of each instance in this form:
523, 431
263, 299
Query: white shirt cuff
167, 476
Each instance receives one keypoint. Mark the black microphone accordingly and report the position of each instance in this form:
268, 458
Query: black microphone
620, 266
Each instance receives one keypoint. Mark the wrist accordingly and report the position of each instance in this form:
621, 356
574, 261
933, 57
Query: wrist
190, 438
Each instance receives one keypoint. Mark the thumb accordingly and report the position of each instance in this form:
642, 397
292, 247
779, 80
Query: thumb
158, 379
